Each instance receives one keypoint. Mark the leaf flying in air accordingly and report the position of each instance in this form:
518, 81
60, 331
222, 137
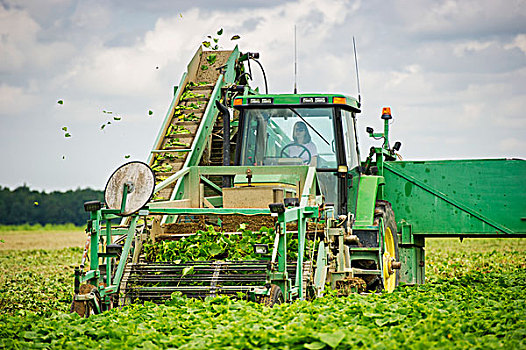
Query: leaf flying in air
220, 31
116, 118
150, 112
60, 102
127, 156
235, 37
206, 43
67, 134
65, 128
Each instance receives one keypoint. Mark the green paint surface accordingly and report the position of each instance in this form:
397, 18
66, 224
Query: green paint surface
459, 197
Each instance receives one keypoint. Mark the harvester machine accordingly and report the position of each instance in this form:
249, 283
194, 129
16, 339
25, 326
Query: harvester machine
264, 197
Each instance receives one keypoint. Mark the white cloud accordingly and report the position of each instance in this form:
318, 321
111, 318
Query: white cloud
401, 77
17, 36
470, 47
91, 14
471, 112
518, 42
130, 70
113, 71
20, 49
512, 145
506, 114
453, 72
15, 100
454, 18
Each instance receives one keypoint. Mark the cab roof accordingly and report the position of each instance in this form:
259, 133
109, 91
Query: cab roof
303, 100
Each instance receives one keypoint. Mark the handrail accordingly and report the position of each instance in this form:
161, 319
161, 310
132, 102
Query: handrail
169, 180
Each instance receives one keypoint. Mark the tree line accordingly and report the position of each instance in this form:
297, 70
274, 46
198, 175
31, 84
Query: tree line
25, 206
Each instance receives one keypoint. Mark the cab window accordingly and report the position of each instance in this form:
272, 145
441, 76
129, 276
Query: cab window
289, 136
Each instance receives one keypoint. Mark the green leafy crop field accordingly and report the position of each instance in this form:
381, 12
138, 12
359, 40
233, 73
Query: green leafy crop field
475, 298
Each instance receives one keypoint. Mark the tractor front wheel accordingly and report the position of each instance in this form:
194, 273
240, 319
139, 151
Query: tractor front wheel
275, 297
86, 308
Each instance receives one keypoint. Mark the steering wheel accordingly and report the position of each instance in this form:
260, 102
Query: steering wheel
304, 149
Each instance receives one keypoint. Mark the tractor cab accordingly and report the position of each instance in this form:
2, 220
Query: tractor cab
316, 130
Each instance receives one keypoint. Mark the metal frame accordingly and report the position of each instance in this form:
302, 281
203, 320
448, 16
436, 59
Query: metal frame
277, 274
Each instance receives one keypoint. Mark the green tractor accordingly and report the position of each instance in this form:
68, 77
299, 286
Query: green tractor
229, 160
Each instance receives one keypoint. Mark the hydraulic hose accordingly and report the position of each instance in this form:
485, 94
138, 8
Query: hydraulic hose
264, 75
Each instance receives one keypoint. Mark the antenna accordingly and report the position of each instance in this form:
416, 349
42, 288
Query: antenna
295, 64
357, 76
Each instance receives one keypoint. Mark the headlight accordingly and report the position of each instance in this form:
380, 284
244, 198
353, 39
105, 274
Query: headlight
261, 249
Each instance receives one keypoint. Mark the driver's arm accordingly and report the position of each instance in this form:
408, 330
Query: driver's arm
314, 155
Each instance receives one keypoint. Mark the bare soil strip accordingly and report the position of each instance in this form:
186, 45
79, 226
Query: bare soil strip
25, 240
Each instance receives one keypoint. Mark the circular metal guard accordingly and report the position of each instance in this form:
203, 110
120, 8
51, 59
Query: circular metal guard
140, 181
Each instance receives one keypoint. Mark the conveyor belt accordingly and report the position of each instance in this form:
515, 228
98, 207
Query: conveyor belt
157, 281
186, 119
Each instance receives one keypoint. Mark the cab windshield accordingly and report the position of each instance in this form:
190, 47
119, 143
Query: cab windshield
289, 136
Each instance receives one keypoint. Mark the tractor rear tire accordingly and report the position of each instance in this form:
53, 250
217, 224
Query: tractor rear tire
391, 277
275, 297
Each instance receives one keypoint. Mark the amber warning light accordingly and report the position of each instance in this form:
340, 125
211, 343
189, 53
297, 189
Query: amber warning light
386, 113
339, 100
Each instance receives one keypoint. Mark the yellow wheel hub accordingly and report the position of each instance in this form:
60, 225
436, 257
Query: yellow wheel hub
389, 256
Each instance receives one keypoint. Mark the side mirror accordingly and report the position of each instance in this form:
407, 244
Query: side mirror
369, 130
397, 146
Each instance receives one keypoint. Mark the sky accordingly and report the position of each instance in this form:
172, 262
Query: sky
453, 73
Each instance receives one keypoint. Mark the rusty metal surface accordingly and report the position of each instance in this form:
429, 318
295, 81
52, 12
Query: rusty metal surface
142, 181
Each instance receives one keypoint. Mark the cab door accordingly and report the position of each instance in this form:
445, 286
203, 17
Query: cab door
349, 187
